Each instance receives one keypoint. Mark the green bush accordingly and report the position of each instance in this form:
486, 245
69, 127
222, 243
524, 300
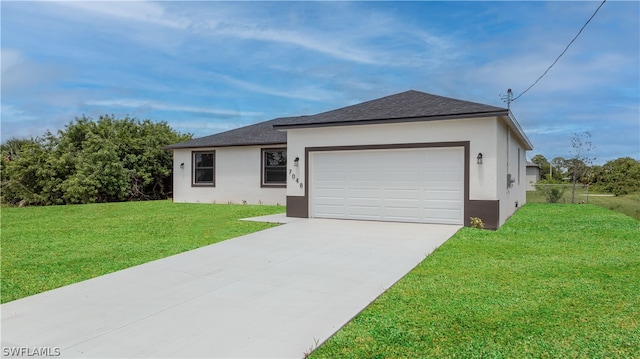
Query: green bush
552, 192
108, 160
619, 176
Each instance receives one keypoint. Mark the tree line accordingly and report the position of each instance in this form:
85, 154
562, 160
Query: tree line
619, 176
108, 160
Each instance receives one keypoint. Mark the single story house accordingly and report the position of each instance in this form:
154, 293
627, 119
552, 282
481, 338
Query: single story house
533, 175
408, 157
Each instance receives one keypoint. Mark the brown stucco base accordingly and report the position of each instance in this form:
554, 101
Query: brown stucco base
297, 206
488, 211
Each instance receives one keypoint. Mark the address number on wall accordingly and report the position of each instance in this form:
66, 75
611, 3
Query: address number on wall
293, 177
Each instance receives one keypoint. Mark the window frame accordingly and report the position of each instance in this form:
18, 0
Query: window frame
263, 168
519, 165
194, 169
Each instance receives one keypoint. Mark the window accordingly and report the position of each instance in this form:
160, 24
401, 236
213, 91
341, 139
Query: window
204, 168
274, 167
518, 165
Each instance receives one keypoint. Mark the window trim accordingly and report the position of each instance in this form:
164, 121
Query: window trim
263, 168
193, 169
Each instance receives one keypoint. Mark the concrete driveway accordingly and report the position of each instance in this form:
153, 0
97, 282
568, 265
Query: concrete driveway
274, 293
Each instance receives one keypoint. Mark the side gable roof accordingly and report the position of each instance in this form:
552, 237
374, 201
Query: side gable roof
399, 107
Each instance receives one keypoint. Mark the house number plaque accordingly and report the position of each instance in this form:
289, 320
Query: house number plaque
293, 177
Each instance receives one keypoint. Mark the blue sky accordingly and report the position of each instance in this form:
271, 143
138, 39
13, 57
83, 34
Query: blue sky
206, 67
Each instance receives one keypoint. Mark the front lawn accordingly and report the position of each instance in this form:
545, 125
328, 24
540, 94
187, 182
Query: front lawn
557, 281
48, 247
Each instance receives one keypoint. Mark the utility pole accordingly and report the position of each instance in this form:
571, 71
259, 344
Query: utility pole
508, 98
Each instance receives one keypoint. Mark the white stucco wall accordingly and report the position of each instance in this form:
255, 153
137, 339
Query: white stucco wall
510, 160
481, 132
533, 176
237, 177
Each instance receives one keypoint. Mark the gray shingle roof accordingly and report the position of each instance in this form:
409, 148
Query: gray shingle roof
406, 106
261, 133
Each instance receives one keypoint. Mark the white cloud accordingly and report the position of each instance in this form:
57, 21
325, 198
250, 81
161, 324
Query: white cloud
326, 45
132, 103
138, 11
20, 73
10, 59
352, 32
14, 114
303, 93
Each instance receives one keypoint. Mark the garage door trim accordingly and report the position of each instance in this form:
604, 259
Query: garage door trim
301, 204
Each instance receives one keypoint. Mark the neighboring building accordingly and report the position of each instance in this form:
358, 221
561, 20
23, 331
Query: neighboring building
533, 175
409, 157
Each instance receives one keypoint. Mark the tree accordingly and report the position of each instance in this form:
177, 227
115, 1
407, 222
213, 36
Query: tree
619, 176
90, 161
579, 162
22, 181
559, 170
12, 148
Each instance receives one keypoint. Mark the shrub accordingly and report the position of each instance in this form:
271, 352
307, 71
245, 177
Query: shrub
553, 192
477, 223
108, 160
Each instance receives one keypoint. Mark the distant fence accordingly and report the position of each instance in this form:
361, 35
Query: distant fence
558, 193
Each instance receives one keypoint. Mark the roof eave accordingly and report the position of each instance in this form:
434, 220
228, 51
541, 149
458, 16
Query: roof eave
513, 123
279, 143
392, 120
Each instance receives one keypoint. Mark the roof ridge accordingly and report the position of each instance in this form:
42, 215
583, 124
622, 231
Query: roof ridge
410, 97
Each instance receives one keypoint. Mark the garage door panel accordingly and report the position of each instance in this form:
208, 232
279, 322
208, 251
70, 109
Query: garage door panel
329, 211
365, 193
330, 192
442, 216
353, 201
438, 176
395, 204
401, 184
401, 194
402, 214
330, 176
413, 176
409, 185
444, 186
441, 204
363, 213
441, 195
363, 174
357, 185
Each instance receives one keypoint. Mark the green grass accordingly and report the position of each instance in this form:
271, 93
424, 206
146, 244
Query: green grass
628, 204
557, 281
48, 247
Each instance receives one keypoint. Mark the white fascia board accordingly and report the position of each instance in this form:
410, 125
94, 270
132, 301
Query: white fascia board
511, 121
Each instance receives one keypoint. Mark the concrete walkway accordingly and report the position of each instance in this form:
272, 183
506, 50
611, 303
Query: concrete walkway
270, 294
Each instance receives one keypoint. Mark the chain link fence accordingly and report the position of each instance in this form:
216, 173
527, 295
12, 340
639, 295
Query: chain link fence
558, 193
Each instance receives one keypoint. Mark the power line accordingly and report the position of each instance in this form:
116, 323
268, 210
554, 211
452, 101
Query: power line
558, 58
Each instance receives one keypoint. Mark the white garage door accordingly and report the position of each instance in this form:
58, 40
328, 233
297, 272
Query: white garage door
423, 185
